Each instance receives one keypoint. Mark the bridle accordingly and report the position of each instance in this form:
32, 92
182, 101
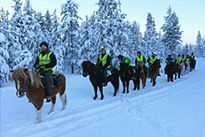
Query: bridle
24, 90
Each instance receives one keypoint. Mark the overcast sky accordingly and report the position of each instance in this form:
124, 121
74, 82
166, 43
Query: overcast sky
191, 13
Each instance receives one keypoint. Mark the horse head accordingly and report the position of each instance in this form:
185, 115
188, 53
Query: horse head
21, 79
86, 68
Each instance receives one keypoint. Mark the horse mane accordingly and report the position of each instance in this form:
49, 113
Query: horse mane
26, 75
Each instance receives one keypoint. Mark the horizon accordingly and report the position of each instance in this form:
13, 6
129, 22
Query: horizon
189, 21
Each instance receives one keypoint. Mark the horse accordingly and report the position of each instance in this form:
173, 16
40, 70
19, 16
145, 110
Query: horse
29, 82
142, 73
177, 70
125, 76
96, 77
154, 71
170, 71
192, 64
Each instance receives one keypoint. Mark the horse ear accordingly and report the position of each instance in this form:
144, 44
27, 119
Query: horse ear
26, 69
11, 71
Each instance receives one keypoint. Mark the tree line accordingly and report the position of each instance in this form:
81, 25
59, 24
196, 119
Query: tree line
72, 43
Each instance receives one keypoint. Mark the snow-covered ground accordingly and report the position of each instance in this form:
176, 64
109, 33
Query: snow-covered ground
167, 110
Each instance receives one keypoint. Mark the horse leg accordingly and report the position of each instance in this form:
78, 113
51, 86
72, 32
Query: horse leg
175, 76
154, 81
135, 84
143, 82
172, 78
168, 77
138, 83
95, 90
124, 84
128, 82
101, 91
38, 107
64, 101
53, 104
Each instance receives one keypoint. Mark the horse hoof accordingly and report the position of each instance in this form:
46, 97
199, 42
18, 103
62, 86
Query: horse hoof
102, 98
114, 94
123, 92
95, 98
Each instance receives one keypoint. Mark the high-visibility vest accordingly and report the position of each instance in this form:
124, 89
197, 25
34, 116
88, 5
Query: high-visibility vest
192, 56
44, 60
128, 61
152, 60
139, 59
187, 59
104, 59
179, 61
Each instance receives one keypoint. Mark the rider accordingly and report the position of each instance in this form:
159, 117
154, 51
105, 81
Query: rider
139, 58
127, 60
104, 62
179, 61
151, 60
44, 65
183, 58
169, 59
187, 58
192, 55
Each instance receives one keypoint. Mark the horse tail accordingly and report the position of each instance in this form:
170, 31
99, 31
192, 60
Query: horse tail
63, 78
117, 79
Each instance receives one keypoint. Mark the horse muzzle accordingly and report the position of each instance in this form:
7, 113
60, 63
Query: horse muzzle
85, 74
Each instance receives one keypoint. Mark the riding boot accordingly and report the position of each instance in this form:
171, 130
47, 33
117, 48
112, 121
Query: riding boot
104, 78
49, 83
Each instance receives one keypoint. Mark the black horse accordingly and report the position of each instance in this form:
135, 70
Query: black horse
177, 70
170, 71
96, 77
192, 64
126, 76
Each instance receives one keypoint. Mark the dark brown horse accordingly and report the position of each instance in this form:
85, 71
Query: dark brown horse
125, 76
154, 70
29, 82
142, 75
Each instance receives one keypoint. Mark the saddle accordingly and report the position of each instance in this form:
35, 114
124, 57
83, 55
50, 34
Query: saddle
57, 82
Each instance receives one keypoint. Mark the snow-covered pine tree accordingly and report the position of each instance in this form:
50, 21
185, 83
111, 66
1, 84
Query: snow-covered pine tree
108, 26
4, 57
57, 47
69, 31
16, 24
199, 45
150, 36
171, 32
32, 33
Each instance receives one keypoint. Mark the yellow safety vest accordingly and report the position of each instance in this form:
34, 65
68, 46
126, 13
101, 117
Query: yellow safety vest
104, 59
140, 58
152, 60
44, 60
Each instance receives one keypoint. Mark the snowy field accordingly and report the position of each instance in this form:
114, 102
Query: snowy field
167, 110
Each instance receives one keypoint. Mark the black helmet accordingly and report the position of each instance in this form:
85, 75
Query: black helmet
44, 43
179, 55
120, 56
138, 52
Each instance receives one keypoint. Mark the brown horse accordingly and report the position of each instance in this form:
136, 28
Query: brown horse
154, 71
29, 82
142, 75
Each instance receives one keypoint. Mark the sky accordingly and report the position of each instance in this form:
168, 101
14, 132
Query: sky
190, 13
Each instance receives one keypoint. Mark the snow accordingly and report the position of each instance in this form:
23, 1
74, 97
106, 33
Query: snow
2, 37
166, 110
